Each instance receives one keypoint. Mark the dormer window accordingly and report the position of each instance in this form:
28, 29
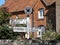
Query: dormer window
41, 13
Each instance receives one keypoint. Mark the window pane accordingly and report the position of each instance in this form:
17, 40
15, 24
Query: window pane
41, 14
39, 33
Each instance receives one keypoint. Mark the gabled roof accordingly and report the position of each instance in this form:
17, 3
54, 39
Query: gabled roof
18, 5
48, 2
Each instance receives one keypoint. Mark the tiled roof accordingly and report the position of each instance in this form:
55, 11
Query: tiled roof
18, 5
48, 2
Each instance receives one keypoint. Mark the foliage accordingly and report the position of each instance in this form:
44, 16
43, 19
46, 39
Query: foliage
31, 36
4, 16
7, 33
58, 37
49, 35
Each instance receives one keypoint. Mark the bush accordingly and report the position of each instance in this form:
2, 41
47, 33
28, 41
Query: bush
7, 33
49, 35
58, 37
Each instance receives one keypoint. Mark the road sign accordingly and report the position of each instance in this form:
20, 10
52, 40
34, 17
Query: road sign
18, 21
20, 29
33, 29
28, 10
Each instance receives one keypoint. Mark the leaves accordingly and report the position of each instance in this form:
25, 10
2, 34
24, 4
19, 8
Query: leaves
7, 33
58, 37
49, 35
4, 16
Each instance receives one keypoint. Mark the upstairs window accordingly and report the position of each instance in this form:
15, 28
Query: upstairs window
41, 13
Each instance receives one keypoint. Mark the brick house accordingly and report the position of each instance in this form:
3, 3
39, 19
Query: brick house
36, 14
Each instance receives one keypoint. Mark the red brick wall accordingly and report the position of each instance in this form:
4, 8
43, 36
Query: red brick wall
38, 5
36, 21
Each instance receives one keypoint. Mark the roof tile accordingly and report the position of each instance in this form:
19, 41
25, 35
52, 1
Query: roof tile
48, 2
18, 5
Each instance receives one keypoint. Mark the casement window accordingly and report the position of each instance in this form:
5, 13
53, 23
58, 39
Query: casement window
41, 30
41, 13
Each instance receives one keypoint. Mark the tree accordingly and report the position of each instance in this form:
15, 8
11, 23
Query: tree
4, 16
5, 31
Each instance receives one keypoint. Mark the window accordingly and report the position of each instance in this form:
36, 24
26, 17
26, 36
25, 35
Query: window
39, 33
41, 14
41, 30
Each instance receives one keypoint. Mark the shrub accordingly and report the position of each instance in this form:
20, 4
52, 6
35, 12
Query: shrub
58, 37
7, 33
49, 35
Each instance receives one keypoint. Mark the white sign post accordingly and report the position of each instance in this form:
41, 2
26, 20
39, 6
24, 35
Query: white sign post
28, 27
28, 11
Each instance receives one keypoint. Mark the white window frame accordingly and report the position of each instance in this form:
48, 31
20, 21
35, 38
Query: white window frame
40, 31
41, 13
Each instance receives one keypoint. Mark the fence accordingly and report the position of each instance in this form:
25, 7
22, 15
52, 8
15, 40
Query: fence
6, 42
28, 42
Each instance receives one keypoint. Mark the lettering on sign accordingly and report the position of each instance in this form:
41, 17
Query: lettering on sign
19, 29
18, 21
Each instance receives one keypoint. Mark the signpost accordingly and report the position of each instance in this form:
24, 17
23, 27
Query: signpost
28, 11
33, 29
28, 29
20, 29
18, 21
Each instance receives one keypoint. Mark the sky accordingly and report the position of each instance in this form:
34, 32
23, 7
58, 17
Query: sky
2, 2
